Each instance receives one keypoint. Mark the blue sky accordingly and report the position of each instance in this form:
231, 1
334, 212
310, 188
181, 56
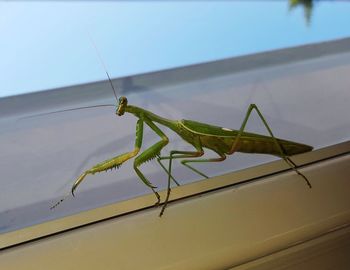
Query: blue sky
46, 45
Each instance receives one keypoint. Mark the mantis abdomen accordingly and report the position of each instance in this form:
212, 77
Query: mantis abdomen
267, 146
221, 140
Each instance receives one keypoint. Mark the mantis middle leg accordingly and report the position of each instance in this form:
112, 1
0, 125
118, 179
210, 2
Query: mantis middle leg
175, 154
165, 169
185, 154
186, 161
278, 145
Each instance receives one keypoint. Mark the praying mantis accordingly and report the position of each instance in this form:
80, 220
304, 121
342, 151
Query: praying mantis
222, 141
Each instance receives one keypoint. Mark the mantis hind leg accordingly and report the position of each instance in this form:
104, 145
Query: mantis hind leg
278, 145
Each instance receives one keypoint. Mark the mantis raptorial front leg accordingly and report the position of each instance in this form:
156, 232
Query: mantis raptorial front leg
278, 145
115, 162
150, 153
109, 164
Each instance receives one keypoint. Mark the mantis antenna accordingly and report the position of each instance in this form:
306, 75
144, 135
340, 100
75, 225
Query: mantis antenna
67, 110
85, 107
103, 64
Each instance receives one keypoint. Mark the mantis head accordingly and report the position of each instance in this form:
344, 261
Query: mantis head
123, 103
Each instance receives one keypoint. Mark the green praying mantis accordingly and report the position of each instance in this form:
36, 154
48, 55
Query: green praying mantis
223, 141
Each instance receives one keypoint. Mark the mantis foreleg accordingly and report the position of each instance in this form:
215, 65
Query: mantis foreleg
150, 153
114, 162
282, 154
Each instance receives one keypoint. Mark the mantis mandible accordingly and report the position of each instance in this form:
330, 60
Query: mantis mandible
222, 141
